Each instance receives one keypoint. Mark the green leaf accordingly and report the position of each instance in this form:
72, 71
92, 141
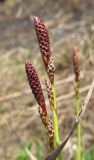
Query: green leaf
22, 155
39, 152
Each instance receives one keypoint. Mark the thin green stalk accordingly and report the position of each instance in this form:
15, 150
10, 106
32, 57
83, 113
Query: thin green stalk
79, 125
55, 119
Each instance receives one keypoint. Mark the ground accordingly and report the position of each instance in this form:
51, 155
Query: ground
69, 23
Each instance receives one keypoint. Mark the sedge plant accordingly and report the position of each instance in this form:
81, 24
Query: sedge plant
51, 122
76, 66
34, 82
44, 44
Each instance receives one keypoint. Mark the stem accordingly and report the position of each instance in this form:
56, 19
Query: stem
79, 126
57, 140
55, 119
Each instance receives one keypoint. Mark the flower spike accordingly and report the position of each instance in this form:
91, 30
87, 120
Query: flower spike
43, 40
38, 94
49, 93
44, 44
35, 86
51, 70
50, 132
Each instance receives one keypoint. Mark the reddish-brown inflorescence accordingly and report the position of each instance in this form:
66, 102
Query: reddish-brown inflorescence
44, 44
35, 86
38, 94
50, 132
76, 64
51, 70
43, 40
49, 93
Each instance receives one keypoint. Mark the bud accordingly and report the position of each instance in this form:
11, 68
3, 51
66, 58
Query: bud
76, 64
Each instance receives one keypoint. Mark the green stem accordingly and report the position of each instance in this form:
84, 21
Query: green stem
57, 140
79, 126
55, 119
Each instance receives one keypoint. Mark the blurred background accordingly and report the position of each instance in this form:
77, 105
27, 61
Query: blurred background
70, 23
